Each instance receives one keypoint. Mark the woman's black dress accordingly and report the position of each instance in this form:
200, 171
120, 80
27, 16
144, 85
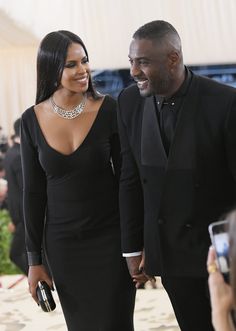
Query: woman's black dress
78, 193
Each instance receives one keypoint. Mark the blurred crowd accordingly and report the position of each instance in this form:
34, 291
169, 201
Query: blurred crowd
4, 145
11, 187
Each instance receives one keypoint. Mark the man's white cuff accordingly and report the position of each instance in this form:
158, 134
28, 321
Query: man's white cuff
132, 254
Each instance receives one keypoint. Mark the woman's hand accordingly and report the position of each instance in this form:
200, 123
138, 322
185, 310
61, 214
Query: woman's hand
37, 273
221, 295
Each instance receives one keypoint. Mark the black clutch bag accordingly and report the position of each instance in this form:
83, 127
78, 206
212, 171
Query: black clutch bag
45, 297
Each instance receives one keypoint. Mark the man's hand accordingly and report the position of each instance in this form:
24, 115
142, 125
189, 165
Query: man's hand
136, 269
133, 263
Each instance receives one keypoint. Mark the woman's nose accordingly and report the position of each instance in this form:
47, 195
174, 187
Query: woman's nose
81, 69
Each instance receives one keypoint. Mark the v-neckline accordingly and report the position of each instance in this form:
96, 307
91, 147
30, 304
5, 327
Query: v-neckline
83, 141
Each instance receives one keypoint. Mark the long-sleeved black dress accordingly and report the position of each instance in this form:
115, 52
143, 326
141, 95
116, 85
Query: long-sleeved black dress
72, 201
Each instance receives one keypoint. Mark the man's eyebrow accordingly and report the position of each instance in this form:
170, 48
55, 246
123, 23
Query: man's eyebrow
139, 58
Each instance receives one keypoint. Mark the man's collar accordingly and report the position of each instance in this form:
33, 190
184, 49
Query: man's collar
180, 92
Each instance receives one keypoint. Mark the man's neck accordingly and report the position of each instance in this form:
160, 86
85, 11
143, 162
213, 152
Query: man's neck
177, 84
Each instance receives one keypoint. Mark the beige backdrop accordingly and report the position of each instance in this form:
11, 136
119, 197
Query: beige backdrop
206, 27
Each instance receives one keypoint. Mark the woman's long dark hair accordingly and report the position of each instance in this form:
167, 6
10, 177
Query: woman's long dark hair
51, 59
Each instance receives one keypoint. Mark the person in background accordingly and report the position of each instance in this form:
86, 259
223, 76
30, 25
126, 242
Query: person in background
13, 169
222, 294
71, 165
3, 143
178, 143
3, 185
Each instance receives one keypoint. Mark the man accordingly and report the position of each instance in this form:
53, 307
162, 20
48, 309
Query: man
12, 164
178, 141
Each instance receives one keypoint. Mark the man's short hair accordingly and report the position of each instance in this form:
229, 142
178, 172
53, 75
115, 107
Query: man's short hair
155, 30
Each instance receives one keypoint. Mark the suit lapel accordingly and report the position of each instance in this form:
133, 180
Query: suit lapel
152, 150
182, 153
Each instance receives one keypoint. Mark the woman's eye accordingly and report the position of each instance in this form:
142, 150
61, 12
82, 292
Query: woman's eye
69, 65
85, 60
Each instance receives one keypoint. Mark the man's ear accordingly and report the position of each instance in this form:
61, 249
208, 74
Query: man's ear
173, 59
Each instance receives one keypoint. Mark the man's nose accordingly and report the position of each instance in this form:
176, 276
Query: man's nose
134, 70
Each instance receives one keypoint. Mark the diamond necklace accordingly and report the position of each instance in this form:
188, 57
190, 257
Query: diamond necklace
69, 114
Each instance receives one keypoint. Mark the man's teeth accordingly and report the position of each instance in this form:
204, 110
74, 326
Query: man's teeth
140, 83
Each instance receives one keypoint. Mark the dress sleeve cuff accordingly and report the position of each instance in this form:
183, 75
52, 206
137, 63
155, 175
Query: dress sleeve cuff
34, 258
132, 254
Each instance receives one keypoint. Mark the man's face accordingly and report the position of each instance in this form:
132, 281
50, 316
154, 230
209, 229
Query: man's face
150, 67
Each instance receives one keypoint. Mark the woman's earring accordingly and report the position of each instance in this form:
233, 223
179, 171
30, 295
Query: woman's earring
55, 84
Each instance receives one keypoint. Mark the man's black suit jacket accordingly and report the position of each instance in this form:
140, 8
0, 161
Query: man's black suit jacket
166, 204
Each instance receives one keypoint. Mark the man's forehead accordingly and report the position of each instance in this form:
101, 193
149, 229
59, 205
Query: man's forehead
142, 48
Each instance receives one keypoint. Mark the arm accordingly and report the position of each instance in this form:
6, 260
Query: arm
221, 297
130, 195
34, 206
131, 202
134, 260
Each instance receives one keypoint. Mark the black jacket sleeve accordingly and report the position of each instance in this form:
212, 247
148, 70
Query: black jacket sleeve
34, 192
130, 195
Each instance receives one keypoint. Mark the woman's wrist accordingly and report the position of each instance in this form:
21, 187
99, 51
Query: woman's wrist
222, 320
34, 258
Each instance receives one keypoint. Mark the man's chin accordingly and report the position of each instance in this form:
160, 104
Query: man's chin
145, 92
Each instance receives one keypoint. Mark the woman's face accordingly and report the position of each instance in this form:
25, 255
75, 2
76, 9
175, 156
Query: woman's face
75, 76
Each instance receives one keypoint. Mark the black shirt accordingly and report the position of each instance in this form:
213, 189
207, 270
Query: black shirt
168, 109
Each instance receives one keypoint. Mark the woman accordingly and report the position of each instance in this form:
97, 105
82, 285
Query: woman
71, 163
223, 295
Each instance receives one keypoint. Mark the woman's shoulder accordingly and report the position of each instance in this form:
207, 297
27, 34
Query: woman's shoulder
107, 102
110, 99
27, 115
30, 113
109, 107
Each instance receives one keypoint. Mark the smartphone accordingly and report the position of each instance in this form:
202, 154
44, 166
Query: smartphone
220, 240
